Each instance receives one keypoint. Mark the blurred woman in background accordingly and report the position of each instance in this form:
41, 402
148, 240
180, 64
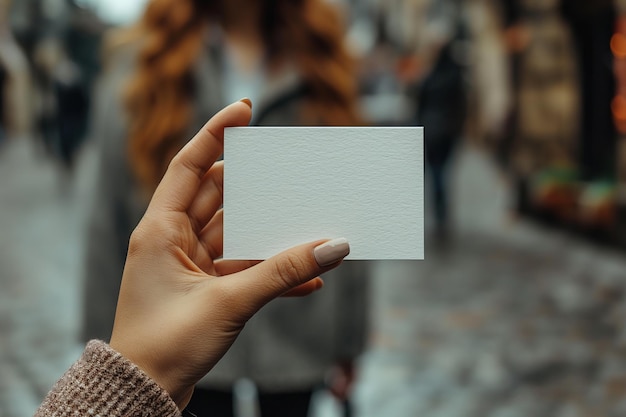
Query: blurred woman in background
164, 77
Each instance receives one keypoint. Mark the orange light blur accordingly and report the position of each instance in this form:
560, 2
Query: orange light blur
618, 45
618, 108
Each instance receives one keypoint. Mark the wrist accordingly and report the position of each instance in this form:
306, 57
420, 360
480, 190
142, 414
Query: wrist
179, 394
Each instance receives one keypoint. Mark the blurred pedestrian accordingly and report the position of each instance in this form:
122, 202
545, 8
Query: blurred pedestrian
442, 107
63, 100
15, 110
181, 62
432, 33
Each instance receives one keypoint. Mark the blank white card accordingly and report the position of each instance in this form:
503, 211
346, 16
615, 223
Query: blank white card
289, 185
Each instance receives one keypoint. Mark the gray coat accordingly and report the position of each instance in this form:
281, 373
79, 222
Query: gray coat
291, 343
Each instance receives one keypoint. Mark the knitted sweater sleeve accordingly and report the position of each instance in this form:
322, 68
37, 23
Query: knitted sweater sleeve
104, 383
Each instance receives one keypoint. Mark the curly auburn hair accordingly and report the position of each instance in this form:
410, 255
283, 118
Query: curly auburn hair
171, 34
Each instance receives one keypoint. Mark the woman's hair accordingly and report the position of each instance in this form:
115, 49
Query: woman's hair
171, 34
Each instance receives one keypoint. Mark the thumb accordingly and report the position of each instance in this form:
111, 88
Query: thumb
291, 268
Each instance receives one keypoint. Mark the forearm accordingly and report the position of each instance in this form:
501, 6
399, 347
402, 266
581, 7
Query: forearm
103, 382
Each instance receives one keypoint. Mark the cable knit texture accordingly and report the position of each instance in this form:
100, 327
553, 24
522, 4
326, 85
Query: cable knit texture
104, 383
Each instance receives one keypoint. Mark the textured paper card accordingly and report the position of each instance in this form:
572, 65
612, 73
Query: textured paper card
289, 185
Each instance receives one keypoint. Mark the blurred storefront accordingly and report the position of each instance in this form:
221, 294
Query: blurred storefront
545, 89
563, 146
546, 85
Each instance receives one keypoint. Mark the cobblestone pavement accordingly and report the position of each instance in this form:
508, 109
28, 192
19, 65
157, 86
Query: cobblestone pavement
508, 320
505, 320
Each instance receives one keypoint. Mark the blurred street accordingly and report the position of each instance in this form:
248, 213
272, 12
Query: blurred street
506, 319
40, 217
518, 309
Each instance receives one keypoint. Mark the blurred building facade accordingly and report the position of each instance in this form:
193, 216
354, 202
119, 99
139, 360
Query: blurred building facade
543, 82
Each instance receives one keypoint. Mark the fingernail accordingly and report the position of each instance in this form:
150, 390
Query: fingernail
332, 251
247, 101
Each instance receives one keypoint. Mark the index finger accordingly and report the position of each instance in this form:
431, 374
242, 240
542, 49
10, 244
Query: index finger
184, 175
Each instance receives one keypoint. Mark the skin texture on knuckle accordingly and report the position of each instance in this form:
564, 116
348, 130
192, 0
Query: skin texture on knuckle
181, 161
142, 238
137, 240
291, 270
227, 307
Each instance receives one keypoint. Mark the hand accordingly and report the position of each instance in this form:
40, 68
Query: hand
180, 306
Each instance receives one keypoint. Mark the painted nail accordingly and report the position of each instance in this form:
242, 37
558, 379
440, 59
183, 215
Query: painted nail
332, 251
247, 101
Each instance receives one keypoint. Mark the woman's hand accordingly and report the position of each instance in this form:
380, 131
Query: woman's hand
180, 306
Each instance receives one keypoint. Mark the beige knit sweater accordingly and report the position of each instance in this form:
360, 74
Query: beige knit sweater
104, 383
